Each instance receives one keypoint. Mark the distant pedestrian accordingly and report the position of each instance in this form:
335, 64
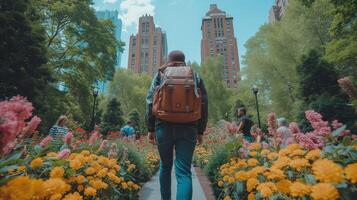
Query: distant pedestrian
128, 131
284, 131
58, 131
245, 124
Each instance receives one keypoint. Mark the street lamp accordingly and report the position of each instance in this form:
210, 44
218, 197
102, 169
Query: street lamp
95, 94
255, 91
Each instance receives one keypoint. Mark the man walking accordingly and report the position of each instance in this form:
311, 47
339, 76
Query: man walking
245, 124
176, 117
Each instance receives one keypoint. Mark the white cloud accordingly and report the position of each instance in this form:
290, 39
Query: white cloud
110, 1
132, 10
172, 3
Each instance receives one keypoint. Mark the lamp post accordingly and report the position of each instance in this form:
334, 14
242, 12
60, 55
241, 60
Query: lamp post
255, 91
95, 95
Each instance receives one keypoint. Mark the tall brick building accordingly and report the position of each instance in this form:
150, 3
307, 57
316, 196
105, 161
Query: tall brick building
218, 38
148, 48
277, 12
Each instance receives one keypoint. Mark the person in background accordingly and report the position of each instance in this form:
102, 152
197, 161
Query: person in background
58, 131
128, 131
284, 131
245, 124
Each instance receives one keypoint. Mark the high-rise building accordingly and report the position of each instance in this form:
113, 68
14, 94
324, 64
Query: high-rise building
277, 12
148, 48
218, 38
113, 16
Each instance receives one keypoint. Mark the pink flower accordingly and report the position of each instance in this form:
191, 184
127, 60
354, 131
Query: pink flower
336, 124
45, 141
94, 137
231, 127
68, 137
103, 145
32, 125
64, 154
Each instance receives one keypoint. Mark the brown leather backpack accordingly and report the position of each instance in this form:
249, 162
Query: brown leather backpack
178, 98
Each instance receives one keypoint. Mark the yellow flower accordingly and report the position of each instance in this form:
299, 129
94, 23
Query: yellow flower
75, 164
327, 171
298, 189
324, 191
298, 164
226, 178
272, 155
98, 184
51, 154
281, 162
73, 196
351, 172
274, 173
254, 146
57, 172
258, 170
227, 198
124, 185
56, 197
252, 162
253, 153
220, 183
80, 179
266, 189
21, 168
251, 196
231, 180
284, 186
89, 191
264, 152
241, 176
22, 187
55, 186
80, 188
251, 183
313, 154
85, 153
36, 163
90, 171
297, 152
103, 172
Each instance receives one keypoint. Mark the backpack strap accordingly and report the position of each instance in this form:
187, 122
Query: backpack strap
187, 92
170, 87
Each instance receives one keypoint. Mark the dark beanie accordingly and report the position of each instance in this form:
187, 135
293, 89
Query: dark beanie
176, 56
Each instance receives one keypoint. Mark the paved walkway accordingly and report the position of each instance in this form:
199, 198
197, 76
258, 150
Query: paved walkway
151, 189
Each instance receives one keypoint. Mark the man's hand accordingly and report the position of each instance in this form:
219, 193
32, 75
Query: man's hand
152, 138
199, 139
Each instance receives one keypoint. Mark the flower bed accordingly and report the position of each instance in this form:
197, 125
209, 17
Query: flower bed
321, 164
85, 168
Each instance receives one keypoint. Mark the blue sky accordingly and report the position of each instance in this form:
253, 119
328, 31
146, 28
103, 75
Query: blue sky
181, 20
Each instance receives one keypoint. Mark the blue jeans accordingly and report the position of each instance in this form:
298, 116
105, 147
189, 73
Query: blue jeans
183, 140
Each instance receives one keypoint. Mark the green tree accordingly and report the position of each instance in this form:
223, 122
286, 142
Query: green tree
22, 53
135, 118
131, 88
218, 94
320, 91
81, 50
275, 51
342, 49
113, 117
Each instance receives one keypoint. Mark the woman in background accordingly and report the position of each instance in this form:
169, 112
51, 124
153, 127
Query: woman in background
58, 131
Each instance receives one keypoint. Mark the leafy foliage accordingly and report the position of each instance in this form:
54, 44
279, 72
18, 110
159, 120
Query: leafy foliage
320, 91
131, 88
113, 117
23, 56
